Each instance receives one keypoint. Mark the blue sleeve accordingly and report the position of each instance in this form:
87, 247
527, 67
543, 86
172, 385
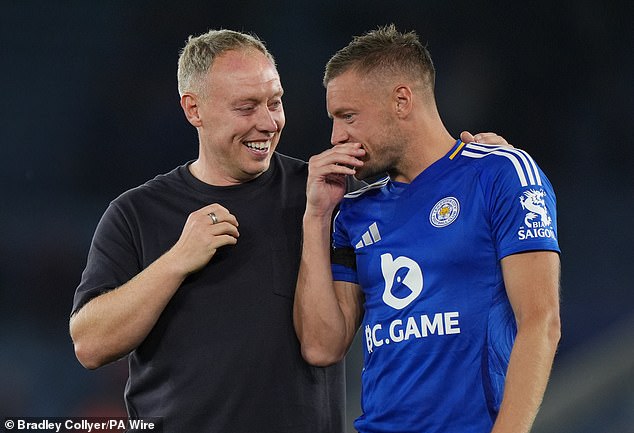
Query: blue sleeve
522, 206
343, 258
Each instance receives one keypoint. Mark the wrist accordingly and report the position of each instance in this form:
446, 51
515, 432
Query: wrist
172, 266
318, 218
317, 212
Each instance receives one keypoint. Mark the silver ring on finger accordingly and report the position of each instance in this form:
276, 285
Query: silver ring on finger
214, 218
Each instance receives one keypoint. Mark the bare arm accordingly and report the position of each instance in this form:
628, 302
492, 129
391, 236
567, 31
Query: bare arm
113, 324
326, 313
532, 284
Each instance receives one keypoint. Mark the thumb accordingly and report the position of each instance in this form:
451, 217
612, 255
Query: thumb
466, 137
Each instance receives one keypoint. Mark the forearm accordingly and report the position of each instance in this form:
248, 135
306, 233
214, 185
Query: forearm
320, 322
527, 376
113, 324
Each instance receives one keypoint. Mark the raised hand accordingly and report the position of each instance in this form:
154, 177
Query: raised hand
206, 230
326, 177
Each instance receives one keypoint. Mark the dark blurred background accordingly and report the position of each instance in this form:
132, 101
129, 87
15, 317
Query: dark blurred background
89, 108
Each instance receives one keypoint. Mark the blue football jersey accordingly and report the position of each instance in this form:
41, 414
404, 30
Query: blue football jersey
438, 326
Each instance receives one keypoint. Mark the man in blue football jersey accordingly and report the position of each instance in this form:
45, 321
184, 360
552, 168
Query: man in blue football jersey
450, 265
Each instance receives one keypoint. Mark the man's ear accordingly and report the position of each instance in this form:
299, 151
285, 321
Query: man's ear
189, 103
403, 100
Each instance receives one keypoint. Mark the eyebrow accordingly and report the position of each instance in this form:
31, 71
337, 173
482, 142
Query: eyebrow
339, 112
279, 94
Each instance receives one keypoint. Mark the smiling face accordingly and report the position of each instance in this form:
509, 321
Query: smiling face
362, 112
240, 117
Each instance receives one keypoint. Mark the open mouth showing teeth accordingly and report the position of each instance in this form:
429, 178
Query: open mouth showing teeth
259, 146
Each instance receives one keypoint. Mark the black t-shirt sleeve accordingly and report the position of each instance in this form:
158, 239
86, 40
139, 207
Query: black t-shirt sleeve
112, 259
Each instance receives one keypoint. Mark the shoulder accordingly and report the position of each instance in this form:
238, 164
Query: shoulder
289, 163
495, 162
160, 185
287, 176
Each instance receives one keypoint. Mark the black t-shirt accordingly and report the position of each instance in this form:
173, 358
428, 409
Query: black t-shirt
223, 356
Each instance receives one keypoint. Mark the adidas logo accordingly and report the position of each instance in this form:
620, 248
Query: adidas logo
370, 236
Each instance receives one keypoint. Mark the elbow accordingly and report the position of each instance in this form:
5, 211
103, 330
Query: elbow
87, 360
318, 356
87, 357
90, 352
546, 326
87, 352
550, 321
553, 330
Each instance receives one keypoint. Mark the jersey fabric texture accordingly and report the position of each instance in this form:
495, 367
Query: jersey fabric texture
223, 356
438, 325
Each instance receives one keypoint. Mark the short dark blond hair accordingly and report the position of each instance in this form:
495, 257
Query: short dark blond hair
200, 51
381, 52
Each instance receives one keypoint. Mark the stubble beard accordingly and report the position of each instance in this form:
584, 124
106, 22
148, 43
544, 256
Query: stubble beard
387, 158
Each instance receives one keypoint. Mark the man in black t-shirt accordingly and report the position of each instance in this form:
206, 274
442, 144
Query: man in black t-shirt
192, 274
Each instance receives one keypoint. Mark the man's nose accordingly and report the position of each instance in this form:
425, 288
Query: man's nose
339, 134
266, 121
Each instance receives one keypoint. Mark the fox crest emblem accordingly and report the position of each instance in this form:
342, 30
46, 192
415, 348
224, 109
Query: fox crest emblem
533, 201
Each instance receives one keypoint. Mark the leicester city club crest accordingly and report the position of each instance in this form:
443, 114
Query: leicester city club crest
444, 212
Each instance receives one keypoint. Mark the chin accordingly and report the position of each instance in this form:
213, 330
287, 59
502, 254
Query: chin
254, 170
369, 175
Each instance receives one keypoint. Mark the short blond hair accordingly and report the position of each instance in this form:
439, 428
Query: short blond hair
200, 51
384, 52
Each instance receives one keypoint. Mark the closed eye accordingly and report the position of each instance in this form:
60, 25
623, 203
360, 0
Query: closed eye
245, 108
274, 105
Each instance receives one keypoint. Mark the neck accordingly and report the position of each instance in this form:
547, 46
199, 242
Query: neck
427, 145
208, 174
